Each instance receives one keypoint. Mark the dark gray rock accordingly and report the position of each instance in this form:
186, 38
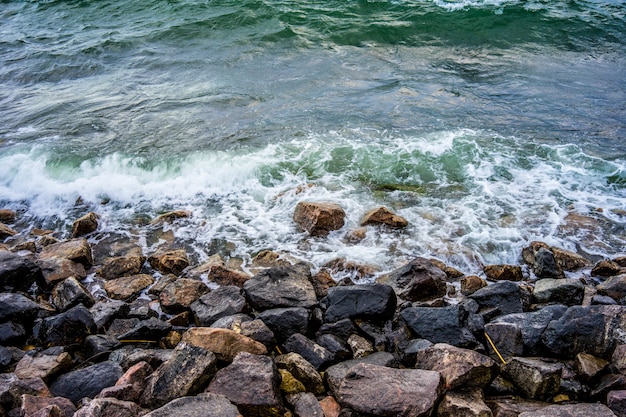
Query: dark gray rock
534, 378
152, 329
69, 293
507, 338
104, 312
616, 401
17, 272
375, 301
546, 266
449, 325
318, 356
305, 404
259, 331
506, 296
221, 302
86, 382
67, 328
335, 345
284, 322
559, 291
17, 307
614, 287
336, 373
407, 350
128, 357
202, 405
280, 287
12, 333
343, 329
98, 344
419, 280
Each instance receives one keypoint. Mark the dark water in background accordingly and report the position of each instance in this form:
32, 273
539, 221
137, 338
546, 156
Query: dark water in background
487, 124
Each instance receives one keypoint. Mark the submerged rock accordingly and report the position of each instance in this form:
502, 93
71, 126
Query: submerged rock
85, 225
382, 215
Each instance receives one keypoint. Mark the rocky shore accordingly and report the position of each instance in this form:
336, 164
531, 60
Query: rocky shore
102, 329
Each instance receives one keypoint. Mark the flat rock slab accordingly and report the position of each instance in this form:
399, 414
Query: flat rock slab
224, 343
202, 405
375, 301
77, 250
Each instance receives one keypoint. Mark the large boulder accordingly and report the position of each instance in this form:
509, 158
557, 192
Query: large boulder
375, 301
382, 391
384, 216
201, 405
534, 378
503, 272
453, 324
169, 262
505, 296
221, 302
319, 219
86, 382
418, 280
280, 287
76, 250
226, 344
55, 270
17, 272
559, 291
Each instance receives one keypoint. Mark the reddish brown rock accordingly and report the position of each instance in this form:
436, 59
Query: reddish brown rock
121, 266
77, 250
472, 283
7, 216
503, 272
6, 231
226, 344
58, 269
321, 282
222, 275
85, 225
128, 288
180, 294
330, 407
171, 216
32, 404
606, 268
319, 219
382, 215
468, 403
45, 365
170, 262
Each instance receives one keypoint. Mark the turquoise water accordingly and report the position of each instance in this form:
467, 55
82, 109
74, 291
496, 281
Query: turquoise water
487, 124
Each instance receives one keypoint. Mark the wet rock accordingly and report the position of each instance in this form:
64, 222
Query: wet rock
151, 329
507, 338
69, 293
226, 344
408, 349
180, 294
76, 250
467, 403
110, 407
45, 365
17, 307
131, 384
322, 281
280, 287
99, 344
534, 378
616, 401
129, 287
503, 272
383, 391
374, 301
418, 280
384, 216
302, 370
17, 272
221, 302
472, 283
186, 373
171, 216
6, 231
121, 266
459, 368
56, 270
305, 404
31, 404
222, 275
104, 312
546, 266
589, 366
252, 383
571, 410
142, 309
506, 296
336, 373
441, 324
85, 225
86, 382
614, 287
606, 268
309, 350
596, 330
284, 322
202, 405
560, 291
169, 262
7, 215
66, 328
319, 219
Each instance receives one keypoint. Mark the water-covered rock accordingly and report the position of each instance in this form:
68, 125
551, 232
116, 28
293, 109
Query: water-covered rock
221, 302
559, 291
180, 294
86, 382
546, 266
18, 272
201, 405
225, 343
376, 301
85, 225
128, 287
319, 218
418, 280
280, 287
384, 216
69, 293
76, 250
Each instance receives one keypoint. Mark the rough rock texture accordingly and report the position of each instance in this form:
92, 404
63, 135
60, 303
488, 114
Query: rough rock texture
226, 344
86, 382
442, 324
76, 250
472, 283
506, 407
302, 370
69, 293
418, 280
180, 294
128, 287
506, 296
383, 391
66, 328
545, 265
85, 225
382, 215
110, 407
57, 269
535, 378
104, 312
315, 354
283, 322
571, 410
222, 275
170, 262
121, 266
375, 301
319, 219
606, 268
614, 287
17, 307
221, 302
202, 405
45, 365
32, 404
616, 401
503, 272
17, 272
467, 403
7, 215
6, 231
305, 404
336, 373
280, 287
562, 291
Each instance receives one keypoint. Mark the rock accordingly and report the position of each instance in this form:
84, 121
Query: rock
614, 287
452, 274
85, 225
284, 322
503, 272
441, 324
319, 219
76, 250
13, 388
201, 405
86, 382
104, 312
17, 272
360, 346
45, 365
226, 344
221, 302
171, 216
616, 401
127, 357
507, 338
17, 307
257, 330
302, 370
309, 350
472, 283
180, 294
607, 383
121, 266
55, 270
383, 216
468, 403
336, 373
321, 282
305, 404
151, 329
137, 373
110, 407
169, 262
506, 296
606, 268
619, 358
505, 407
186, 373
459, 368
6, 231
7, 215
566, 260
252, 383
383, 391
374, 301
31, 404
589, 366
280, 287
224, 276
129, 287
571, 410
330, 407
560, 291
546, 266
66, 328
342, 329
69, 293
338, 347
596, 330
289, 384
418, 280
534, 378
408, 349
12, 334
131, 384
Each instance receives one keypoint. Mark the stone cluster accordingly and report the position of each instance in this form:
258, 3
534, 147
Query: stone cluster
101, 330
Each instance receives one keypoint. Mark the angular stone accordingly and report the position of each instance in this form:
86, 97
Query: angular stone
66, 328
171, 216
12, 334
589, 366
169, 262
221, 302
609, 382
330, 406
252, 383
336, 373
13, 388
104, 312
76, 250
226, 344
546, 266
6, 231
418, 280
289, 384
17, 307
45, 365
614, 287
319, 219
129, 287
7, 215
69, 293
472, 283
128, 357
309, 350
151, 329
459, 368
616, 401
336, 346
468, 403
186, 373
55, 270
280, 287
17, 272
322, 281
503, 272
180, 294
506, 296
384, 216
505, 407
31, 404
440, 324
534, 378
618, 359
126, 392
86, 382
568, 260
559, 291
360, 346
305, 404
221, 275
374, 301
383, 391
303, 371
202, 405
257, 330
110, 407
571, 410
606, 268
121, 266
283, 322
85, 225
507, 338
